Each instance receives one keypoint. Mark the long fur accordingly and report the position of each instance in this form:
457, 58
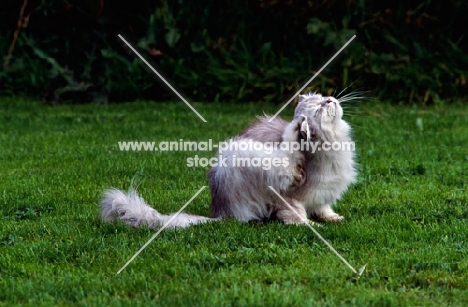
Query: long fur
134, 211
311, 182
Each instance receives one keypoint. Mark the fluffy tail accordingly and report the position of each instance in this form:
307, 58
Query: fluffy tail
132, 210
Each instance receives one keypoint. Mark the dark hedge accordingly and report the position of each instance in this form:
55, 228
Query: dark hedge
211, 50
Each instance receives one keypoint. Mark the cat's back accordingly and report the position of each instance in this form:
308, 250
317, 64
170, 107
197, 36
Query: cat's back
263, 130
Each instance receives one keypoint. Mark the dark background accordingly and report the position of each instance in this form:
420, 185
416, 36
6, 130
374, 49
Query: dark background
230, 51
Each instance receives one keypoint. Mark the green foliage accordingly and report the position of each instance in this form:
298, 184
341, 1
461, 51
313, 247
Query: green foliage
406, 216
233, 51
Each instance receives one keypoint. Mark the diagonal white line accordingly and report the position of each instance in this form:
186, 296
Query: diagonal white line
159, 231
316, 74
317, 234
161, 77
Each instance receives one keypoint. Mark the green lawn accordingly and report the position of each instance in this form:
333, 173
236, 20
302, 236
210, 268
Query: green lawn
407, 215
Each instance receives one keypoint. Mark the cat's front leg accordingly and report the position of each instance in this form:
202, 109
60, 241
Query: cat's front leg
297, 161
299, 169
326, 213
292, 175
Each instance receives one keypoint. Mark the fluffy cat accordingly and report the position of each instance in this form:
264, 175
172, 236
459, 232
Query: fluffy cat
311, 181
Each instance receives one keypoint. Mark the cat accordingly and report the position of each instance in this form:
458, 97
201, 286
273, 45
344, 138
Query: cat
310, 181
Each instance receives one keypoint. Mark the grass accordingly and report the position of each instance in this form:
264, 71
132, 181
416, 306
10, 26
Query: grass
406, 216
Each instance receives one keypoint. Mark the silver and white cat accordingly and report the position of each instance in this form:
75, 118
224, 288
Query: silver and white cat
310, 182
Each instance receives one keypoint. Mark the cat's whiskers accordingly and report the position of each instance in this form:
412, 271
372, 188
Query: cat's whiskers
355, 96
356, 93
348, 100
344, 89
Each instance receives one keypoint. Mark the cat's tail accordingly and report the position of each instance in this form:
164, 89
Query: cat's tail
134, 211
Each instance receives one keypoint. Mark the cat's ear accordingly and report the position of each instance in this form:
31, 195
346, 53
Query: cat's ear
302, 98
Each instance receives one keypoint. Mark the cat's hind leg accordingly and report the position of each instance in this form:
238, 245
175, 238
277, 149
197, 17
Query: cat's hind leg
291, 213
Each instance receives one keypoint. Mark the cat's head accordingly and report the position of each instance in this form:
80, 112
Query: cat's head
324, 108
318, 114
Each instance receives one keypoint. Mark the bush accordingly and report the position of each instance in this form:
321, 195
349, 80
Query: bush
232, 51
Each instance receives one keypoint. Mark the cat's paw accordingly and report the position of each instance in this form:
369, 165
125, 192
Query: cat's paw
292, 131
299, 178
327, 214
315, 223
304, 222
335, 218
294, 222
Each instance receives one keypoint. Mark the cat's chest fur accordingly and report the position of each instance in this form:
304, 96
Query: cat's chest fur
328, 175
